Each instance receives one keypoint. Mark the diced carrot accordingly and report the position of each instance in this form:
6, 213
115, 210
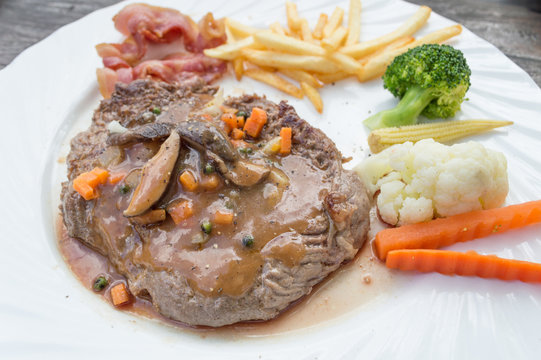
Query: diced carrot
458, 228
237, 134
230, 121
84, 189
116, 178
188, 181
255, 122
210, 182
464, 264
207, 117
240, 122
223, 217
120, 295
101, 174
180, 211
285, 140
86, 183
88, 177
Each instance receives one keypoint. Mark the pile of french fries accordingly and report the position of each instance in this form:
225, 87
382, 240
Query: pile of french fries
328, 53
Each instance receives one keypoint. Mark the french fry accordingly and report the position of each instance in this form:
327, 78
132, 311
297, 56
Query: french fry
330, 53
318, 30
438, 36
347, 63
249, 65
306, 34
378, 64
280, 60
238, 67
287, 44
277, 28
293, 20
274, 80
313, 95
239, 30
408, 28
301, 76
230, 51
332, 42
354, 22
400, 42
334, 77
334, 22
230, 38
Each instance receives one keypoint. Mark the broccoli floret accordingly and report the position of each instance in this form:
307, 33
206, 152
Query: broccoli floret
429, 79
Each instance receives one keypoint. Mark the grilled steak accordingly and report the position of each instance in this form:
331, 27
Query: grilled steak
297, 217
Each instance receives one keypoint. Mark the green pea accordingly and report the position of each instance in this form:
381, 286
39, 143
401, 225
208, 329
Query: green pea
208, 169
248, 241
206, 226
100, 283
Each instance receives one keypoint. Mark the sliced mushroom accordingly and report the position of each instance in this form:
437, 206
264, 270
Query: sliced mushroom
147, 132
150, 217
204, 135
155, 177
242, 172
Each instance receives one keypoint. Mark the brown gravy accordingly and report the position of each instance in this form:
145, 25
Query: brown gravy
348, 289
221, 265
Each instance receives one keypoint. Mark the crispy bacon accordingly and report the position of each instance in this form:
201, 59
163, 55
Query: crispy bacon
114, 62
147, 27
107, 79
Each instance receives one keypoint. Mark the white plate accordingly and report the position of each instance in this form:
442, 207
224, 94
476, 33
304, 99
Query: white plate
45, 313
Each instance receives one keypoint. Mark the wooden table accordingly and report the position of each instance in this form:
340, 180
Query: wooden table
514, 26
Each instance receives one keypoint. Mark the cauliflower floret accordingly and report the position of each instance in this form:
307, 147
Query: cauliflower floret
417, 182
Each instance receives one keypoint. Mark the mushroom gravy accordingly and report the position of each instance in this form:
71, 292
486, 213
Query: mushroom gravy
222, 263
351, 288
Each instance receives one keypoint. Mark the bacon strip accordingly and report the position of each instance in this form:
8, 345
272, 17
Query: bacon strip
145, 26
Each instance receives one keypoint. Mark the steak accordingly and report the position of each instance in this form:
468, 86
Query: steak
296, 223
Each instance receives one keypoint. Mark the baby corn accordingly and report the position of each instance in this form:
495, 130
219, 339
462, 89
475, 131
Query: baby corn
442, 132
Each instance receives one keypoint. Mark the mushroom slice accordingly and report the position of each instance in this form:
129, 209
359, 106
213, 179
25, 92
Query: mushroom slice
147, 132
244, 173
155, 177
241, 173
203, 135
150, 217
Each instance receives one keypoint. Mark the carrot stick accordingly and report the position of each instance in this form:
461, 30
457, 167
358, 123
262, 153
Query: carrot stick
464, 264
84, 189
254, 123
224, 217
86, 183
240, 122
230, 121
120, 295
101, 175
180, 211
210, 182
285, 140
188, 181
458, 228
237, 134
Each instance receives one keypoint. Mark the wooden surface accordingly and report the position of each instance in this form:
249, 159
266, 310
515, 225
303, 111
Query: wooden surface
513, 26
